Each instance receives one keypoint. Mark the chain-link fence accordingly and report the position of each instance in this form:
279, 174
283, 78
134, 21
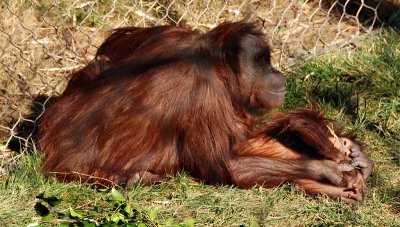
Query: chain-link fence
43, 41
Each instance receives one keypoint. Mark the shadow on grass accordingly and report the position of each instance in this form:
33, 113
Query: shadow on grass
392, 196
26, 131
339, 96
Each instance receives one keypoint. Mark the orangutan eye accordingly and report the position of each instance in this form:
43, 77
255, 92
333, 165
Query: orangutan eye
263, 57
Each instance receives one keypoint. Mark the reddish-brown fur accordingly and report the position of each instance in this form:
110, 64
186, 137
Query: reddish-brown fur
157, 101
304, 135
140, 44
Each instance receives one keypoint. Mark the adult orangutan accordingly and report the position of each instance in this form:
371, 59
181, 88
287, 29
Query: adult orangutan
158, 101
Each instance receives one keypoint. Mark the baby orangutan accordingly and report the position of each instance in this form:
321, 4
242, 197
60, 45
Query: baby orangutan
284, 139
